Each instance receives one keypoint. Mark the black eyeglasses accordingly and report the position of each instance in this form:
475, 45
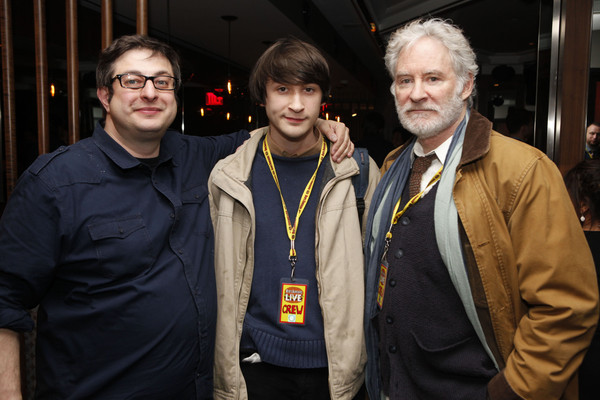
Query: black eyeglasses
135, 81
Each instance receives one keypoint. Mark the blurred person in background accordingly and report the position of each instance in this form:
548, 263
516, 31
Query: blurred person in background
583, 184
592, 141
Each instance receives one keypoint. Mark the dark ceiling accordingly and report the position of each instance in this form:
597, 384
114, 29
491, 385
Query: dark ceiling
507, 26
340, 28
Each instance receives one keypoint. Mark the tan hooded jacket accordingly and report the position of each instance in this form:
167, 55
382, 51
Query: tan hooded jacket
340, 272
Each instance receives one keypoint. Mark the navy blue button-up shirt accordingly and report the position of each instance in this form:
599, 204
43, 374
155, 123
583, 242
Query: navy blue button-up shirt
119, 258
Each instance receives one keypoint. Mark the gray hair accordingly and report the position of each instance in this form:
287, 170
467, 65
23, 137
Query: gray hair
462, 56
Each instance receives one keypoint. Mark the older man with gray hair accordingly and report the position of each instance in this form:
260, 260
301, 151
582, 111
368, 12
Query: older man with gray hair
479, 281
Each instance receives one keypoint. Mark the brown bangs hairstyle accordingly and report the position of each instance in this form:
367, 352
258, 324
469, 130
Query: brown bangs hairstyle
289, 61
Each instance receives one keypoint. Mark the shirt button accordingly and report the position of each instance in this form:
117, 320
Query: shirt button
399, 253
389, 320
392, 349
172, 215
392, 282
405, 221
180, 251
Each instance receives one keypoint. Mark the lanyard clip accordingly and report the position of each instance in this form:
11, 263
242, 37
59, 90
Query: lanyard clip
293, 260
293, 257
386, 245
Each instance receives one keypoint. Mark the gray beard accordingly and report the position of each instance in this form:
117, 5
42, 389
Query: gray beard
426, 127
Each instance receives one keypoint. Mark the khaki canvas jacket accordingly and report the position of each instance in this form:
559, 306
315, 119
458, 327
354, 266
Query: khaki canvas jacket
530, 269
339, 259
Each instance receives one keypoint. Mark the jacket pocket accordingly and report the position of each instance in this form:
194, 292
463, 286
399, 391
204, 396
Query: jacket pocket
123, 247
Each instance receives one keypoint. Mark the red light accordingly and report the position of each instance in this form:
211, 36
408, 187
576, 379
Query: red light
213, 100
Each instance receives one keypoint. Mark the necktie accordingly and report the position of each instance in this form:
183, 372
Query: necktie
420, 165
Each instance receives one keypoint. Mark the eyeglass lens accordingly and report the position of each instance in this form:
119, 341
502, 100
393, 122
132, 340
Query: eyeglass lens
132, 81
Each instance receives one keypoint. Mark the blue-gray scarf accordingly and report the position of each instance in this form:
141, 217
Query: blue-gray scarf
446, 228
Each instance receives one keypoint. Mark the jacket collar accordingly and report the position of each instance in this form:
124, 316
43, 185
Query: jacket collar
239, 165
477, 138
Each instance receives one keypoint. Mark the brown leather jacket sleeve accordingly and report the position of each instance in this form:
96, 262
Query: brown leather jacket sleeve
499, 389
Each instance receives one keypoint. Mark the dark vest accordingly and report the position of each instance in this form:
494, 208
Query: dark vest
428, 348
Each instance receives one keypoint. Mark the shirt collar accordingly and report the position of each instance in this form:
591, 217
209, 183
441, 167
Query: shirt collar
168, 145
441, 151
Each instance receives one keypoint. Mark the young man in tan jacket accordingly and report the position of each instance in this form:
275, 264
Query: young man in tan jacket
288, 255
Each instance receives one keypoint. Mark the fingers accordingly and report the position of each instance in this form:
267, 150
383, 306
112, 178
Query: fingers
327, 128
344, 146
339, 135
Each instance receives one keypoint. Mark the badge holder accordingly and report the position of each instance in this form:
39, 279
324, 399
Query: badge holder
292, 301
382, 280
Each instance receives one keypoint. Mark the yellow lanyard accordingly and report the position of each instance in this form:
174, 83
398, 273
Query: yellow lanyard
397, 214
292, 229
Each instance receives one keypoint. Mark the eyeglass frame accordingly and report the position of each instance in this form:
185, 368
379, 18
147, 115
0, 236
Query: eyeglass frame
146, 79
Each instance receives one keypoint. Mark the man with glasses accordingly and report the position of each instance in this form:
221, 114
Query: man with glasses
112, 238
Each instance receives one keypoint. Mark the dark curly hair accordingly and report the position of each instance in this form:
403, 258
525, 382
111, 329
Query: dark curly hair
583, 184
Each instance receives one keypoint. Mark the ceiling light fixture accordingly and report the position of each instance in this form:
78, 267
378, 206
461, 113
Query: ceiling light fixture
229, 19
